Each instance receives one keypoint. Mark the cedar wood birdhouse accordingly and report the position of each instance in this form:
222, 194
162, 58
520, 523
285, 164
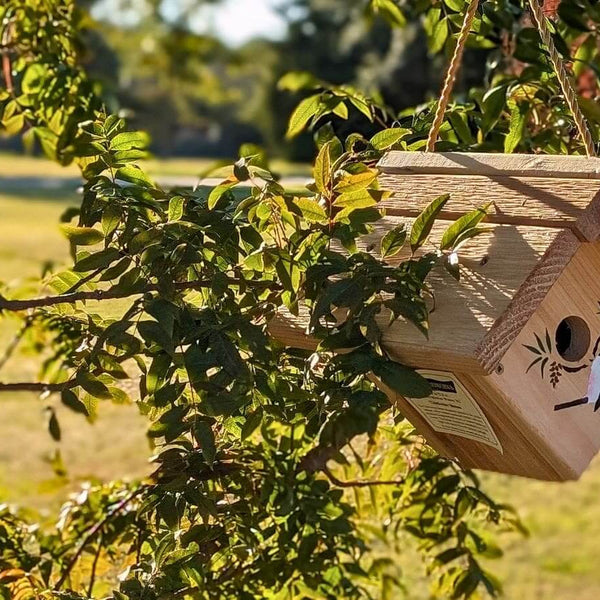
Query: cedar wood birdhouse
512, 344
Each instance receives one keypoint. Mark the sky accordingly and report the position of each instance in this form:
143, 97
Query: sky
234, 21
238, 21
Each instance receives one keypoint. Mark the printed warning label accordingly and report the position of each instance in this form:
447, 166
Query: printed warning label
451, 409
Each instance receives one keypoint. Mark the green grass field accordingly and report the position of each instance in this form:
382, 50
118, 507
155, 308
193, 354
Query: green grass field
557, 562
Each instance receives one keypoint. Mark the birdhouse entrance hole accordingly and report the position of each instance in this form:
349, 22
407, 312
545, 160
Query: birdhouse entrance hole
572, 338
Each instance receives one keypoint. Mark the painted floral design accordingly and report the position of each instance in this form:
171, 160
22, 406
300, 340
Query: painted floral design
549, 367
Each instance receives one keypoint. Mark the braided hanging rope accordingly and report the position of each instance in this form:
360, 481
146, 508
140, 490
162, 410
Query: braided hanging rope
569, 93
450, 79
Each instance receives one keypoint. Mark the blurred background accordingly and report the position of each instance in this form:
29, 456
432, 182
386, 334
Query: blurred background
201, 76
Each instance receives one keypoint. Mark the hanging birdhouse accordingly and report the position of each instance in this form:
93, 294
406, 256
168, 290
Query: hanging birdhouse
513, 344
511, 355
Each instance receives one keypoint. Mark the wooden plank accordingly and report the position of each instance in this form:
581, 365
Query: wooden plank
506, 165
495, 266
542, 201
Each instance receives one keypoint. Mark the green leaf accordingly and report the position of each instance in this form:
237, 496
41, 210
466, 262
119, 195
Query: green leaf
345, 292
70, 399
516, 132
33, 79
494, 102
302, 115
359, 199
176, 206
403, 380
464, 224
297, 80
220, 192
53, 425
157, 372
322, 168
130, 140
82, 236
111, 217
98, 260
253, 421
474, 232
390, 12
354, 182
117, 270
226, 354
424, 222
439, 36
206, 438
154, 333
135, 175
413, 310
388, 138
92, 385
59, 469
393, 241
311, 210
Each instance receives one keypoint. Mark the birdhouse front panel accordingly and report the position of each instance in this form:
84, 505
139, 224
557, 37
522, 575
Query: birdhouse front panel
550, 375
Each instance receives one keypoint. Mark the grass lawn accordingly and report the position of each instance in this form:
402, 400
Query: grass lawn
557, 562
115, 446
16, 165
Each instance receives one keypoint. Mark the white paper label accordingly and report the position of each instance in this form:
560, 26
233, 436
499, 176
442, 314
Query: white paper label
451, 409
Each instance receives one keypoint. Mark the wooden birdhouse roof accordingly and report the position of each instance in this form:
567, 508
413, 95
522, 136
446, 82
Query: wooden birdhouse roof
543, 209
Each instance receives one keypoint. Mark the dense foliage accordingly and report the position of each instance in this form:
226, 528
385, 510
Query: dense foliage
280, 472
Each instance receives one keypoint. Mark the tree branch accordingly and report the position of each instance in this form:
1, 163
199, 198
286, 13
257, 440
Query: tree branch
6, 70
37, 387
13, 344
93, 532
95, 565
353, 484
114, 294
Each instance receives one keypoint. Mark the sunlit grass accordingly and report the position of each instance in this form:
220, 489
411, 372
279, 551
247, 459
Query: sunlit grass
16, 165
115, 446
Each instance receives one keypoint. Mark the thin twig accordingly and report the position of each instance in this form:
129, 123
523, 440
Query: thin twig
354, 484
93, 532
114, 294
95, 565
12, 345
